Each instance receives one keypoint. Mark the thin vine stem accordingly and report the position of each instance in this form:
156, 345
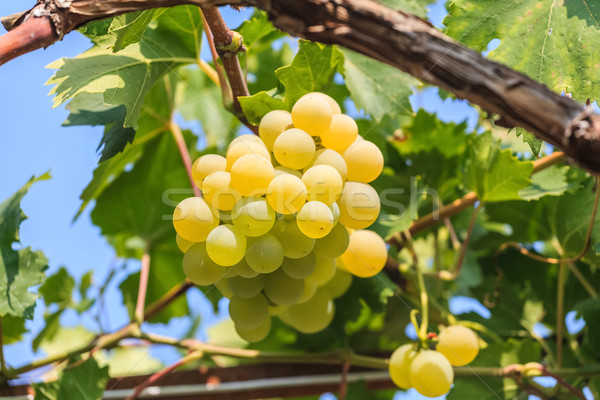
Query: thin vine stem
143, 287
560, 311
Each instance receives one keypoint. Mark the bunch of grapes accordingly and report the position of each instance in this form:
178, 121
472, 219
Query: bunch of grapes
430, 371
280, 229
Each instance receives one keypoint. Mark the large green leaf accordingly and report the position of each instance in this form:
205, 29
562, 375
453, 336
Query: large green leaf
129, 28
84, 381
589, 310
549, 182
58, 288
545, 39
417, 7
258, 105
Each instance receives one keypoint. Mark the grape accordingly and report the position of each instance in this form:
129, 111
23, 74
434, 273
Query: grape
226, 245
323, 183
359, 205
256, 334
225, 217
335, 210
240, 149
206, 165
230, 272
246, 287
364, 161
366, 254
399, 366
334, 243
324, 271
295, 244
286, 194
294, 148
315, 219
309, 291
247, 138
341, 133
335, 107
299, 268
218, 192
271, 126
312, 114
313, 315
277, 310
182, 243
199, 268
264, 254
193, 219
281, 289
253, 216
243, 269
431, 374
339, 284
249, 313
281, 170
458, 344
251, 175
333, 159
223, 287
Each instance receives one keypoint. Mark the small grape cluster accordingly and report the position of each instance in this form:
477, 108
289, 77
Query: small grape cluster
280, 230
430, 371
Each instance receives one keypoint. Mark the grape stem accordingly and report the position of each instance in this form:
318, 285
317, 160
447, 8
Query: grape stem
143, 287
344, 381
423, 328
560, 311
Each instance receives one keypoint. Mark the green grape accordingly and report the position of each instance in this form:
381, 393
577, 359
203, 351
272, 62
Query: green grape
335, 107
294, 148
249, 313
333, 159
264, 253
334, 243
246, 287
239, 149
313, 315
364, 161
243, 269
339, 284
359, 205
253, 216
251, 175
312, 114
226, 245
299, 268
230, 272
281, 289
295, 243
277, 309
281, 170
366, 254
223, 287
458, 344
183, 244
199, 268
193, 219
286, 194
335, 210
309, 291
271, 126
315, 219
399, 366
324, 271
256, 334
218, 192
225, 217
431, 373
341, 133
323, 183
206, 165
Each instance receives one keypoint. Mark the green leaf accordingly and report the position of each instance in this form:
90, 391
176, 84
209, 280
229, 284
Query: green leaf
587, 10
65, 340
126, 77
377, 88
544, 39
534, 143
58, 288
129, 28
258, 105
129, 361
494, 174
589, 310
13, 329
19, 270
549, 182
85, 381
51, 328
417, 7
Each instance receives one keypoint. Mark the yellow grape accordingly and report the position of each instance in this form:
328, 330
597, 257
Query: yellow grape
226, 245
313, 315
323, 183
339, 284
323, 272
359, 205
295, 243
255, 334
399, 366
333, 159
335, 210
294, 148
206, 165
341, 133
334, 243
253, 216
193, 219
182, 243
281, 170
286, 194
199, 268
218, 192
271, 126
364, 161
366, 254
335, 107
312, 114
315, 219
431, 374
251, 175
247, 138
249, 313
458, 344
242, 148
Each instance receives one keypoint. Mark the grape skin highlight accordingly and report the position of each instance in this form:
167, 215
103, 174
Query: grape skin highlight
226, 245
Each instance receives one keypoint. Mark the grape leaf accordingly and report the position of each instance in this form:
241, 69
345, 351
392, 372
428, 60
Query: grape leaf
50, 329
417, 7
13, 329
534, 143
538, 38
66, 339
495, 174
587, 10
85, 381
549, 182
129, 28
58, 288
589, 310
256, 106
19, 269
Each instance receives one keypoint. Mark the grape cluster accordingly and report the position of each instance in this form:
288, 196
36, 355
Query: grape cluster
430, 371
280, 227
